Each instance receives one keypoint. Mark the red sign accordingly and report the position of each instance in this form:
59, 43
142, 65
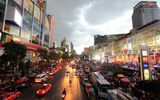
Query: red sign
125, 50
145, 59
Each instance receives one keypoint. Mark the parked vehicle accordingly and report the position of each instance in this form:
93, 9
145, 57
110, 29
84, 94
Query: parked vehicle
41, 78
9, 95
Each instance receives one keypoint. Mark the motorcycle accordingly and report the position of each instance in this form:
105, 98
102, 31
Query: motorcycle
64, 94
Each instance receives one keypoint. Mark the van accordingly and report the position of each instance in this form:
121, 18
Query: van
41, 77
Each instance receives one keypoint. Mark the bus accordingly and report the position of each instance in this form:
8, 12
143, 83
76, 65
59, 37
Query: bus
100, 84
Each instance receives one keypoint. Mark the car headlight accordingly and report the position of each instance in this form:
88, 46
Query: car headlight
43, 91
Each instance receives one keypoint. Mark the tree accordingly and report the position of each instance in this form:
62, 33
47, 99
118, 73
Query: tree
43, 53
65, 56
54, 56
14, 53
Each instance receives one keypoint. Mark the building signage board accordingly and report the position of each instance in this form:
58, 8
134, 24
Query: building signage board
144, 62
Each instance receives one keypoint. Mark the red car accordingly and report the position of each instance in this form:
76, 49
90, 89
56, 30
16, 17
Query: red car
43, 89
22, 80
10, 95
87, 87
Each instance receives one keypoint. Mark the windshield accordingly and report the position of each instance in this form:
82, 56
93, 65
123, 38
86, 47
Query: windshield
43, 87
104, 88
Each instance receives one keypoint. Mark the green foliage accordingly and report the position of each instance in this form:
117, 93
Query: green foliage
54, 56
65, 56
43, 53
14, 52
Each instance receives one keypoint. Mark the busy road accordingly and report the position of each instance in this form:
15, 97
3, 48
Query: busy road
59, 81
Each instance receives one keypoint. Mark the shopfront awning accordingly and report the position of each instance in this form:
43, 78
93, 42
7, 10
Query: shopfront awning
30, 46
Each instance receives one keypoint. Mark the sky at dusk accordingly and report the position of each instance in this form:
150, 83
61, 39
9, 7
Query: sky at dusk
80, 20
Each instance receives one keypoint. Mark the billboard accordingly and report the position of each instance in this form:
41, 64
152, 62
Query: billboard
37, 12
14, 15
28, 5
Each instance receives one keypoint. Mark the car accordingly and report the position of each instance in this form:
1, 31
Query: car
51, 73
32, 75
85, 81
87, 87
41, 78
46, 71
43, 89
89, 90
8, 86
23, 86
67, 73
22, 80
10, 95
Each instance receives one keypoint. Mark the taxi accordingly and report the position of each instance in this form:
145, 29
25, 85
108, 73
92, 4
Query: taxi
43, 89
10, 95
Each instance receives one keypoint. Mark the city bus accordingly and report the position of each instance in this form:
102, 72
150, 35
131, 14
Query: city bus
100, 84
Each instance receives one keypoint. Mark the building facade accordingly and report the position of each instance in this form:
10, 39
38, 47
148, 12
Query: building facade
145, 12
51, 29
26, 22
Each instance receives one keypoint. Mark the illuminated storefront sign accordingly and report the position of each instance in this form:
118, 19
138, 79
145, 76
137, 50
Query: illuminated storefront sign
145, 71
146, 74
36, 12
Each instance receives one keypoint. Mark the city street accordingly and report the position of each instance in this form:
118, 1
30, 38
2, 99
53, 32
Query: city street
59, 82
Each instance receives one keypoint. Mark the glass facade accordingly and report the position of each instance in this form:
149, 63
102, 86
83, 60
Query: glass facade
2, 6
36, 32
27, 26
34, 26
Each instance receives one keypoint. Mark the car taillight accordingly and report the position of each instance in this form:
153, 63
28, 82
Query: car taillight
37, 91
43, 91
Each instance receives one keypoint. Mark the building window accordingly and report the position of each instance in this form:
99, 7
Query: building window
36, 32
27, 26
2, 9
28, 5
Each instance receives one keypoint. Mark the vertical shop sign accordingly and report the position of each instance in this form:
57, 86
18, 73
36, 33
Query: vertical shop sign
144, 62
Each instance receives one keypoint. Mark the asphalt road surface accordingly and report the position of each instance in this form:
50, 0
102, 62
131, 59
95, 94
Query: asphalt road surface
59, 81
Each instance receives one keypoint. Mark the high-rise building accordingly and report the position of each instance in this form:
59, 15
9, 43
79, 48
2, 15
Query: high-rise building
145, 12
64, 44
25, 22
72, 47
51, 29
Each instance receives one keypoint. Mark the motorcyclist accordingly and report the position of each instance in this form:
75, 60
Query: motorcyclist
64, 91
70, 81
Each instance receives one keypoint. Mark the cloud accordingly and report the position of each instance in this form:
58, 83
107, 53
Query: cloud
80, 20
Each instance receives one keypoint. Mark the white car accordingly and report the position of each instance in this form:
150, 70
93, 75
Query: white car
41, 77
67, 73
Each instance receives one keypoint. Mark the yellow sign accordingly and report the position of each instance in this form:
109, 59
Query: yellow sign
146, 74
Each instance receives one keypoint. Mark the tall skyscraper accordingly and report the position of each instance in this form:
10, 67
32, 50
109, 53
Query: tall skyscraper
145, 12
72, 47
64, 44
51, 29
